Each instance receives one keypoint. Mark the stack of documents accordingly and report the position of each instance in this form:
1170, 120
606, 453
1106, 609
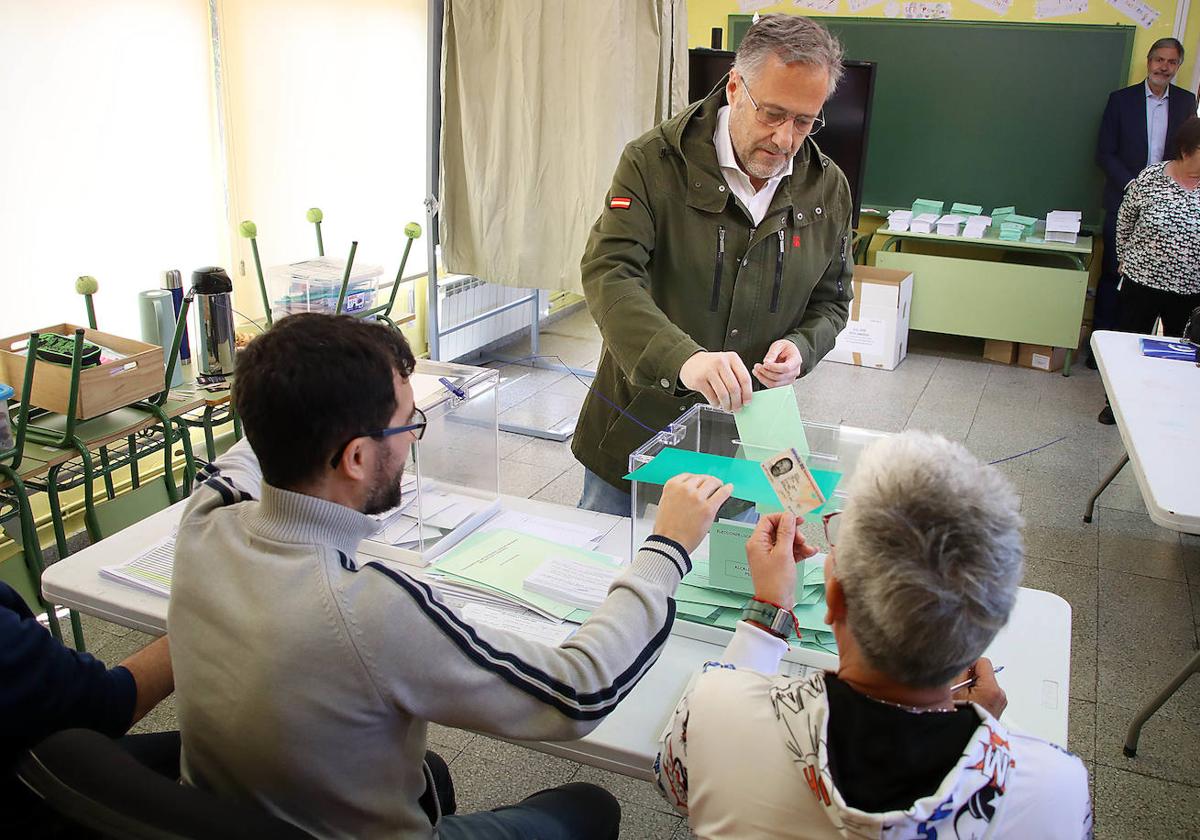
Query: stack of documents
1063, 226
504, 568
950, 224
150, 571
1026, 222
927, 205
1010, 232
976, 226
961, 209
899, 220
924, 223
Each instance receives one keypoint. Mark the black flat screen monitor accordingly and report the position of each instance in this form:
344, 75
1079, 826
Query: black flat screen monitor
847, 113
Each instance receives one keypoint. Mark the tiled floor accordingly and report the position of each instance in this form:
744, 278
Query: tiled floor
1134, 588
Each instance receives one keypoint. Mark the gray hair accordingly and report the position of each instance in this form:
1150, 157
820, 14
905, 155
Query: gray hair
1173, 43
791, 39
929, 556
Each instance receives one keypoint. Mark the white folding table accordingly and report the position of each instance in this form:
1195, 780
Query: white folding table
1035, 647
1156, 403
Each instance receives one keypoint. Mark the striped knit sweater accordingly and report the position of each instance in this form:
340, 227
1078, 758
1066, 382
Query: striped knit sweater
305, 677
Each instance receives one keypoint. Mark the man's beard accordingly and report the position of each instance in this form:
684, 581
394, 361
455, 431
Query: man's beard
385, 494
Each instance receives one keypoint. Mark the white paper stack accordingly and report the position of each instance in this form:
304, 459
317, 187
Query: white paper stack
976, 227
950, 224
924, 223
899, 220
1063, 226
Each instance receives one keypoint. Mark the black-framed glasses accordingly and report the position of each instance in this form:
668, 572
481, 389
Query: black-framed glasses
830, 522
775, 117
416, 425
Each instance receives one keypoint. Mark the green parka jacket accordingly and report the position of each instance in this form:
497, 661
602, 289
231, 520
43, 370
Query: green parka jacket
674, 266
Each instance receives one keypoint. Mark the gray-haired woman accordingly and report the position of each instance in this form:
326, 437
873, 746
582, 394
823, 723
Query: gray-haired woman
922, 575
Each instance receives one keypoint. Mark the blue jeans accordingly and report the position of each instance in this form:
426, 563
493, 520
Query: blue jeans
574, 811
602, 497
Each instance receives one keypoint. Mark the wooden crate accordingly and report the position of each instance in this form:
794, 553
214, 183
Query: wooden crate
102, 389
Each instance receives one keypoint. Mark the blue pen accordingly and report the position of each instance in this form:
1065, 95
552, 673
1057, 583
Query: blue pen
452, 388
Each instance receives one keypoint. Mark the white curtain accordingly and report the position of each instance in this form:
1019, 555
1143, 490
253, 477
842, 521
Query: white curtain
109, 159
539, 99
325, 107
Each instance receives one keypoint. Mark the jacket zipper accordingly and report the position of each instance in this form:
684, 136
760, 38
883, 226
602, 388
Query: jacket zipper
841, 288
778, 276
716, 288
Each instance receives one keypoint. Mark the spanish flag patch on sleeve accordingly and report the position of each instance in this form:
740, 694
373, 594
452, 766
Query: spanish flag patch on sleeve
619, 202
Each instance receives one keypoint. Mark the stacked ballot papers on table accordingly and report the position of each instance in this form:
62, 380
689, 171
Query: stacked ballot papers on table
950, 224
923, 206
976, 226
899, 220
1011, 232
960, 209
506, 568
1063, 226
924, 223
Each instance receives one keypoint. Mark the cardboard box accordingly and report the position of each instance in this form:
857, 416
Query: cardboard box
1042, 357
877, 333
1004, 352
102, 389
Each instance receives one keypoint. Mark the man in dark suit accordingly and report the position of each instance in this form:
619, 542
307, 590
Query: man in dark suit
1138, 129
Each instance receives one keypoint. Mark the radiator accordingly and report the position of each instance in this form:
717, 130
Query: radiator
461, 298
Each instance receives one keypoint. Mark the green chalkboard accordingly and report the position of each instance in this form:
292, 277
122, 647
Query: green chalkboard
984, 113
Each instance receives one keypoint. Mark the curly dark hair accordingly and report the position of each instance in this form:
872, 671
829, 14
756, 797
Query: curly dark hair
312, 382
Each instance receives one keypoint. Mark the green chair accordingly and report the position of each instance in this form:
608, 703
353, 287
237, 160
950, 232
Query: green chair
132, 507
13, 492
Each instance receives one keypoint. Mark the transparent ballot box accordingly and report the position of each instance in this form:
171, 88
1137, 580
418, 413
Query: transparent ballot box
451, 484
712, 431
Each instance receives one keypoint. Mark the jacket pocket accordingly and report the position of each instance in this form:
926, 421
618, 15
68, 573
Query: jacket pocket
718, 269
777, 286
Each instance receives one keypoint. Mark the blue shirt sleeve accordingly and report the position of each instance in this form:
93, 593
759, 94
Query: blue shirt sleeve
45, 686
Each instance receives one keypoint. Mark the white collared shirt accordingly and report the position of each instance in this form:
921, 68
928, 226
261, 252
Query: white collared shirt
739, 182
1156, 124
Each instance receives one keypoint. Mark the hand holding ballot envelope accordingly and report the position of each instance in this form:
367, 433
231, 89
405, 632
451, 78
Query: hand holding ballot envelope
773, 551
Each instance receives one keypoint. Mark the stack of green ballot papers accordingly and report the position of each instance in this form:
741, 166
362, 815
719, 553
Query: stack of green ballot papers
716, 589
1011, 232
504, 567
927, 205
961, 209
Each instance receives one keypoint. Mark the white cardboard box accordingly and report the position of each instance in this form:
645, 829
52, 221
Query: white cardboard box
877, 333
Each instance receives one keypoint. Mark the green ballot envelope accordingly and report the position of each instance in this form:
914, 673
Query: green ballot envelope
771, 423
748, 480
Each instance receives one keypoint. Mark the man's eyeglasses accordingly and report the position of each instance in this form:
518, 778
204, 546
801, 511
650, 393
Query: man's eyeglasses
417, 426
774, 117
830, 521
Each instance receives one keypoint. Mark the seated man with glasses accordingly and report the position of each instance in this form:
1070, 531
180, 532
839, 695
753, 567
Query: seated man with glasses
721, 261
306, 676
903, 740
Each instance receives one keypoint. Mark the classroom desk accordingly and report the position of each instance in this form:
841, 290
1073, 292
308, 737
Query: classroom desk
1021, 297
1035, 647
1157, 406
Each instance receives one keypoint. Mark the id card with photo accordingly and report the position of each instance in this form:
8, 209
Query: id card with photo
793, 482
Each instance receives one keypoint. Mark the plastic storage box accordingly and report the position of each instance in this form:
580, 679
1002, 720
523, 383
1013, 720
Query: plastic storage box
7, 440
314, 286
714, 431
451, 484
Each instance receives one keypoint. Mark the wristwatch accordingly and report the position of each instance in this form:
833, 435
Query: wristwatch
777, 621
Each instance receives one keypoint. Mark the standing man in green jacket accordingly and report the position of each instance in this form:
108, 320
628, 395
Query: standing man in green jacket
722, 253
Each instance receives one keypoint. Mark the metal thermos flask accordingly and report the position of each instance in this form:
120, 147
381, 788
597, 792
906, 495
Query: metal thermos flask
216, 353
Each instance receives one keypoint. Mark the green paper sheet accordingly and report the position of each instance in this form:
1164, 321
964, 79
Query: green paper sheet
1004, 211
696, 611
771, 422
501, 560
748, 480
811, 617
712, 597
966, 209
727, 565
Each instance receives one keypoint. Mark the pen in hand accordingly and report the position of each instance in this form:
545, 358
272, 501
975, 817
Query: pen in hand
970, 682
